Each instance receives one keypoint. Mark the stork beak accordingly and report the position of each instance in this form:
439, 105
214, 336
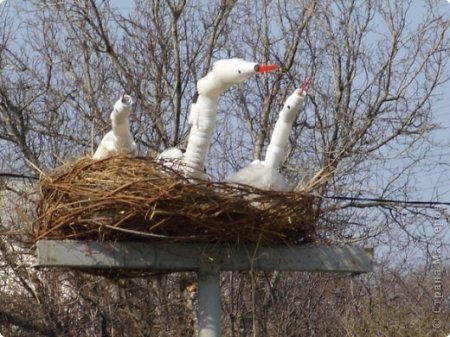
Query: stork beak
265, 68
305, 85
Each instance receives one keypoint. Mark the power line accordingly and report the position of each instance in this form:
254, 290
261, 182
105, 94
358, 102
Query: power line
390, 201
19, 176
335, 197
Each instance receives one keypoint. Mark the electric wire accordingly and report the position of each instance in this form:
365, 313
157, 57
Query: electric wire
334, 197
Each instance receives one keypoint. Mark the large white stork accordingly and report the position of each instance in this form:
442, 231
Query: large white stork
265, 174
119, 140
203, 114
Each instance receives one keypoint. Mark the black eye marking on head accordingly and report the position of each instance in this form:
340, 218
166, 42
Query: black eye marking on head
288, 106
239, 71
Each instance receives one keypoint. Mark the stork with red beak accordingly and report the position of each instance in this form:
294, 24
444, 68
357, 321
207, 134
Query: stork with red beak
265, 174
119, 140
203, 114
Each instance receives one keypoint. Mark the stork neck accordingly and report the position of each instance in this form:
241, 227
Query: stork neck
212, 87
206, 104
282, 130
274, 156
201, 132
120, 126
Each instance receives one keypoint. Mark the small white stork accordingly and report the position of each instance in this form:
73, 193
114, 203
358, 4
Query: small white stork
119, 140
203, 114
264, 174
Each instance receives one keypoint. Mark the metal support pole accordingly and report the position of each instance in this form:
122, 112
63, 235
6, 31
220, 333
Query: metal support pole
209, 302
206, 260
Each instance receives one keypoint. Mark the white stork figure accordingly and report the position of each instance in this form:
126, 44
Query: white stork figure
264, 174
119, 140
203, 114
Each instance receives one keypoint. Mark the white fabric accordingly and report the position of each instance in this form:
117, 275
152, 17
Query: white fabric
172, 153
201, 132
282, 129
119, 140
258, 174
265, 175
193, 115
224, 74
203, 114
291, 107
280, 133
274, 156
173, 158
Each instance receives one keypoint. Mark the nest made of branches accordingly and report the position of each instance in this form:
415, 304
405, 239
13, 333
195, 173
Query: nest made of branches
124, 198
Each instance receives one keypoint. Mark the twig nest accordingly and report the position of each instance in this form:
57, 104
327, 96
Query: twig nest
125, 198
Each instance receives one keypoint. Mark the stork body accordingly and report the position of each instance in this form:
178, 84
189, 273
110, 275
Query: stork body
260, 175
203, 114
119, 140
265, 174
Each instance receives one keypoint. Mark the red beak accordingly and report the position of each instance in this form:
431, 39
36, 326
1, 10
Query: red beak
305, 85
265, 68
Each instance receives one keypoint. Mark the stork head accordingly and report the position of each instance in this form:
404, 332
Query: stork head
294, 102
126, 99
227, 72
233, 71
122, 108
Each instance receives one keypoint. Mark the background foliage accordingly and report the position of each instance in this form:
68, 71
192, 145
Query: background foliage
378, 66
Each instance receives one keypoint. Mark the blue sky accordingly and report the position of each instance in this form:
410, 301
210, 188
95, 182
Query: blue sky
438, 180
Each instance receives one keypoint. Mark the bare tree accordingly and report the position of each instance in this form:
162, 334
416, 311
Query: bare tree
365, 129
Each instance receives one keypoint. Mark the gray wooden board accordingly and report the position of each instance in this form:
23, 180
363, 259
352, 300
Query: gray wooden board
193, 257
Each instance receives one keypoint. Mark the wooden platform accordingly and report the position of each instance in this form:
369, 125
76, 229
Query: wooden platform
192, 257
